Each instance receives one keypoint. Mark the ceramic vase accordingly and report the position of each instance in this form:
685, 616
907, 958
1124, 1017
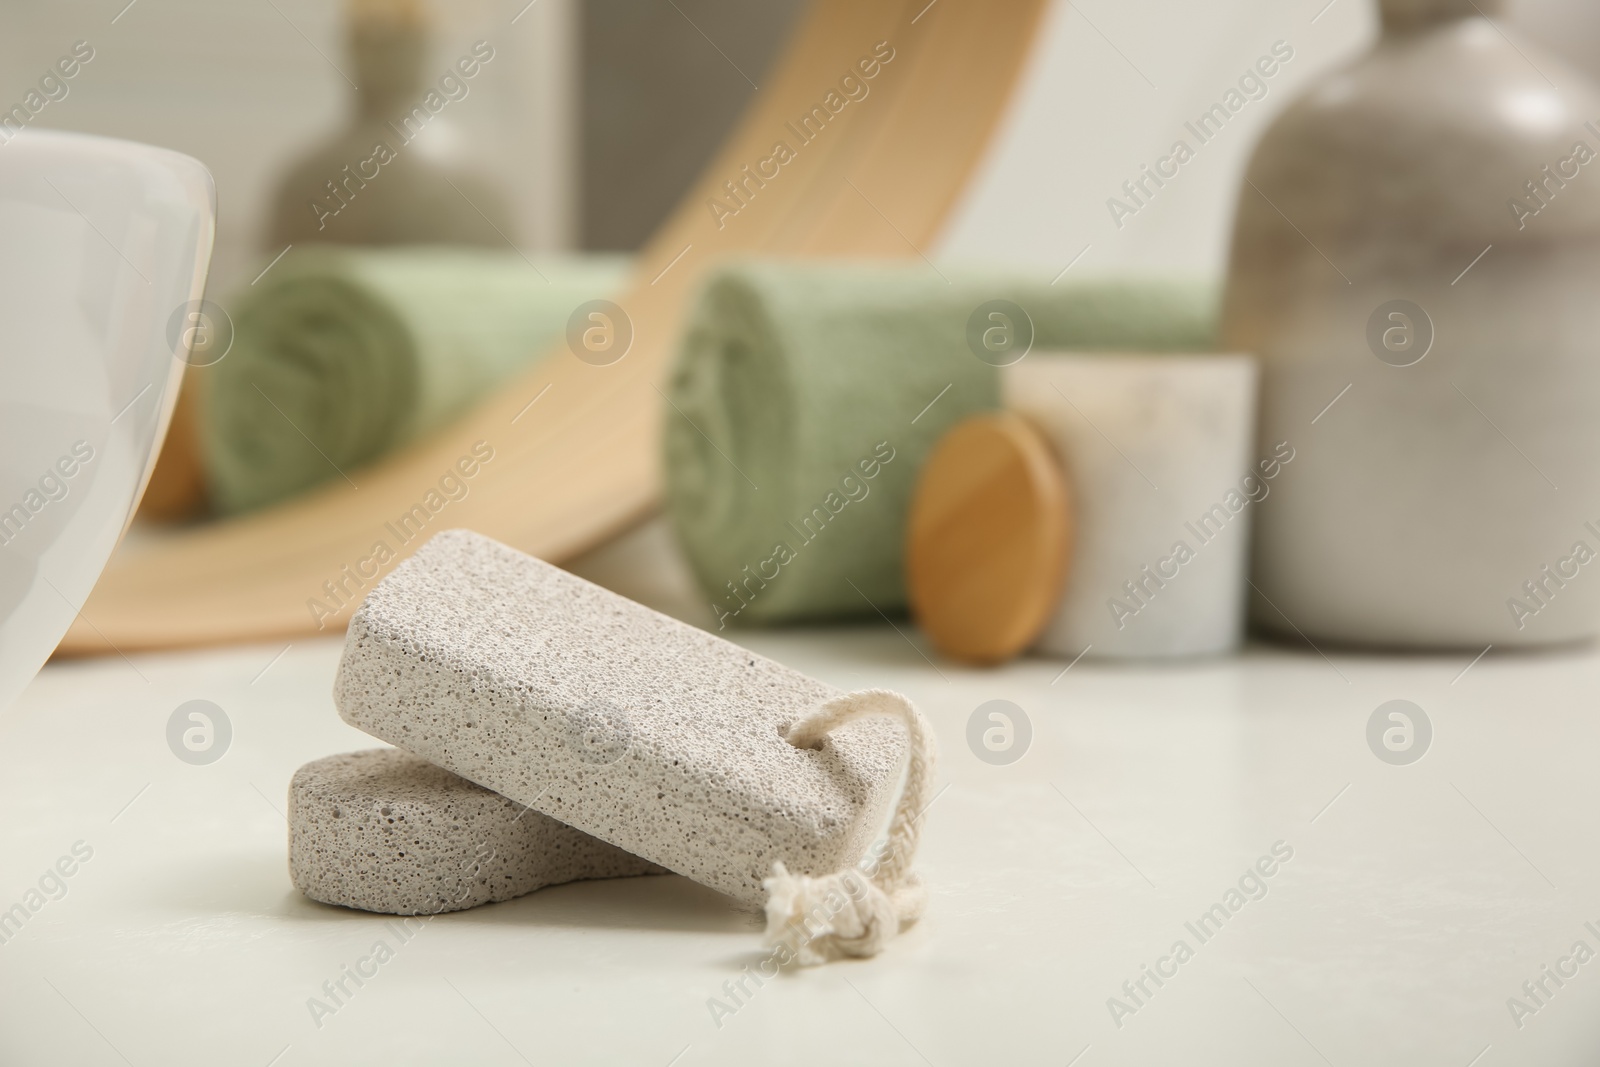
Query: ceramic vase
1415, 260
399, 172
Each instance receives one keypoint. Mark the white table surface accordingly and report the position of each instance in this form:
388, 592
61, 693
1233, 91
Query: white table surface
1419, 898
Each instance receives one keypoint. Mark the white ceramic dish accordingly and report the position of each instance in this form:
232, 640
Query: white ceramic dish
104, 246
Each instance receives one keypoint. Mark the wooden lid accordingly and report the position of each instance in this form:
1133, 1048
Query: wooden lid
989, 538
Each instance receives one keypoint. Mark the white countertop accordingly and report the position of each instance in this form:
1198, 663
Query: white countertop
1418, 899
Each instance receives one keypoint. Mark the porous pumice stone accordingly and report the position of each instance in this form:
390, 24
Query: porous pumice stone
385, 831
650, 734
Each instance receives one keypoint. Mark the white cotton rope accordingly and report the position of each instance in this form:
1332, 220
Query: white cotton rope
859, 910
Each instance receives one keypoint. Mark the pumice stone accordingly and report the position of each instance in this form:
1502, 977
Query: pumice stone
384, 831
647, 733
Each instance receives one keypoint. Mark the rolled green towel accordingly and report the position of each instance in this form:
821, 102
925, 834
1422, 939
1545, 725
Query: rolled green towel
807, 395
340, 355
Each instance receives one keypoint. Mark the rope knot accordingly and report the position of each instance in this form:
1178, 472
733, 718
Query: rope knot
856, 911
821, 919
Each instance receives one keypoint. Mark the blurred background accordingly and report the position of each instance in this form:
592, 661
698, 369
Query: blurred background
596, 116
605, 110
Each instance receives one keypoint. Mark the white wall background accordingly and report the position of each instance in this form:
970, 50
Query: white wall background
245, 84
1108, 90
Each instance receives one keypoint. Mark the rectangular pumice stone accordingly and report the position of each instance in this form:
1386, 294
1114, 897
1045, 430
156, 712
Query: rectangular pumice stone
640, 730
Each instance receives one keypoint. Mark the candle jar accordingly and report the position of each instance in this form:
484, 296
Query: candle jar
1156, 449
1415, 257
1105, 512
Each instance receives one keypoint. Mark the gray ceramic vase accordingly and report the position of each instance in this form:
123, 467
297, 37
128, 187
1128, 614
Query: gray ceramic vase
1416, 260
379, 181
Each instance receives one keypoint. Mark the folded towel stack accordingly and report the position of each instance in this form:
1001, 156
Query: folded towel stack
807, 395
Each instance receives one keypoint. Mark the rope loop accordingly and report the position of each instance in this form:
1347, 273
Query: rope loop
859, 910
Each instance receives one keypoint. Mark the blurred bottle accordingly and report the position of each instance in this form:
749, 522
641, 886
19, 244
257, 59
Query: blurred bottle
395, 175
1569, 28
1415, 260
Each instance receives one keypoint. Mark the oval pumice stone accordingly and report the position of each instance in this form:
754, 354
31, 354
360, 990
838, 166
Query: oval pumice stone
385, 831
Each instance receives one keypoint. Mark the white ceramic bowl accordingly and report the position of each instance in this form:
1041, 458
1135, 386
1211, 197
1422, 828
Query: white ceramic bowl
103, 246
